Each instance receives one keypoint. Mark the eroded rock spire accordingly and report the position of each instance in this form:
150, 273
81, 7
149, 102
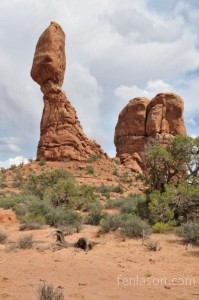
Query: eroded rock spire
61, 135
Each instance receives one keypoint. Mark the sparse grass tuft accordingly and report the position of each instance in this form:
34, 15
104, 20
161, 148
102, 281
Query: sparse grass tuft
90, 169
153, 245
47, 292
42, 161
94, 157
25, 242
30, 226
3, 237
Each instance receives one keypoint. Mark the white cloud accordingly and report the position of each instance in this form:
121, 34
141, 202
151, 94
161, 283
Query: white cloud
85, 94
191, 121
9, 145
17, 160
152, 88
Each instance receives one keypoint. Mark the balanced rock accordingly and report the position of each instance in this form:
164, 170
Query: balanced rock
62, 136
143, 121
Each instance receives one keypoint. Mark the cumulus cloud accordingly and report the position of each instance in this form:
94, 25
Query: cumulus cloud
191, 121
17, 160
9, 145
153, 87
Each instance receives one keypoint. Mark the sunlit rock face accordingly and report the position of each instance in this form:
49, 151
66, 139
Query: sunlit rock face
142, 121
61, 134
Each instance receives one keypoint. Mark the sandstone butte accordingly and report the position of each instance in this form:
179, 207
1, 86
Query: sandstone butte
61, 134
143, 121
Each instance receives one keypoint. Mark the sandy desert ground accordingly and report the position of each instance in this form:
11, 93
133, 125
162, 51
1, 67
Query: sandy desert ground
117, 269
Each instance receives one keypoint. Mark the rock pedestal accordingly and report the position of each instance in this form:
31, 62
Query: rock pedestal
61, 135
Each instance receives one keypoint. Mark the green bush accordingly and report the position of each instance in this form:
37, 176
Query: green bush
94, 157
95, 214
38, 184
107, 189
160, 227
3, 179
59, 216
110, 223
190, 232
42, 161
134, 226
114, 203
86, 195
18, 178
90, 169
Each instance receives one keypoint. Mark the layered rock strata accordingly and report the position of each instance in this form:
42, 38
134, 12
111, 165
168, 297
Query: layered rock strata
143, 121
61, 134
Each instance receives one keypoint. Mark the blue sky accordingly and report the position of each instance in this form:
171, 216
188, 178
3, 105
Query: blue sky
116, 50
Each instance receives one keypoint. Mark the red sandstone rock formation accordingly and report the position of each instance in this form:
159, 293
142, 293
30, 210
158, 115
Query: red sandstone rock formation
61, 136
143, 121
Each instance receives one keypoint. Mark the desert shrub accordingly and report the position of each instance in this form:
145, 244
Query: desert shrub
47, 292
134, 226
15, 202
110, 223
118, 189
132, 204
90, 169
94, 157
126, 177
86, 195
107, 189
3, 237
32, 218
114, 203
25, 242
115, 172
59, 216
30, 226
18, 178
68, 229
42, 161
37, 184
153, 245
12, 167
178, 203
2, 179
160, 206
160, 227
95, 214
190, 232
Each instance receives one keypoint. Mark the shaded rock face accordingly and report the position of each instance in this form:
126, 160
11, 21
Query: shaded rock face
143, 121
61, 135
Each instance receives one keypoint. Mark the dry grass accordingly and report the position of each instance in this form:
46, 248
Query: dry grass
47, 292
25, 242
3, 237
